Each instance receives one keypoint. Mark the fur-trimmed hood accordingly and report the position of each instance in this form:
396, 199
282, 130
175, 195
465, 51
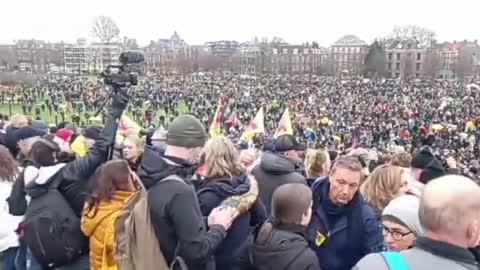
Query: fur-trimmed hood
36, 179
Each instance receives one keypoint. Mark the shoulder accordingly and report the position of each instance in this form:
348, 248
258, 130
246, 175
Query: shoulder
373, 261
367, 211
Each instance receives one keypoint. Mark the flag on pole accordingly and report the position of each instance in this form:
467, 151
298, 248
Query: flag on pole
285, 125
256, 126
126, 123
216, 126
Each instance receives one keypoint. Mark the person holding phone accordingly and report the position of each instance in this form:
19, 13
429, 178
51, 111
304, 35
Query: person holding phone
225, 177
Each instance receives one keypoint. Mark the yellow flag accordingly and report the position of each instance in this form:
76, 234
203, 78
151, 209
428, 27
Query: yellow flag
285, 125
256, 126
216, 126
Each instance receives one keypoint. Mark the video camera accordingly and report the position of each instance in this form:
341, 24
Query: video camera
118, 76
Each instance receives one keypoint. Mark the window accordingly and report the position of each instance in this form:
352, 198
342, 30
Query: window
390, 56
417, 75
275, 51
397, 75
419, 56
389, 66
305, 51
295, 51
418, 67
398, 56
285, 51
397, 66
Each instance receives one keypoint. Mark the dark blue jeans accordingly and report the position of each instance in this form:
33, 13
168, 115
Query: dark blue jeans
9, 257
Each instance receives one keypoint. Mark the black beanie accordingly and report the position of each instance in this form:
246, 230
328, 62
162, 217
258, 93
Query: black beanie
422, 158
432, 171
186, 131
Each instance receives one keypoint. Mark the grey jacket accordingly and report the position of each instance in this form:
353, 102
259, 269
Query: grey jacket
427, 254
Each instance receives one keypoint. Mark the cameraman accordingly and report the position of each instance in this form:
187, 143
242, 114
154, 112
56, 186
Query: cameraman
73, 181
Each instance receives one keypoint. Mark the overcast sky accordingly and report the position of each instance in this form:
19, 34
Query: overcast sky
198, 21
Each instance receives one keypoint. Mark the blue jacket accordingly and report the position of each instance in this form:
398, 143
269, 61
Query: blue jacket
335, 252
210, 195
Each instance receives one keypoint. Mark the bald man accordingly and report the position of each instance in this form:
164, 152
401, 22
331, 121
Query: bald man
449, 214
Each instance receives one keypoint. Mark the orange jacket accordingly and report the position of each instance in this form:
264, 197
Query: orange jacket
101, 227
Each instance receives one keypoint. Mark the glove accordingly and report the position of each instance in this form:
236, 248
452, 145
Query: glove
119, 103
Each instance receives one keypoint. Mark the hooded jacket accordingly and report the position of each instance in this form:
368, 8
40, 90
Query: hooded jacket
75, 174
273, 171
99, 226
210, 195
175, 212
282, 247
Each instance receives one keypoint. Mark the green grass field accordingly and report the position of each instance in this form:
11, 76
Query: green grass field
50, 118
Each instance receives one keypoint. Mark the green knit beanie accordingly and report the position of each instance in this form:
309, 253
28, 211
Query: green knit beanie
186, 131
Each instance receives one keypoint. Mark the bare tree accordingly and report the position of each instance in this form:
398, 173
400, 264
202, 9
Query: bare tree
424, 36
105, 29
464, 64
433, 64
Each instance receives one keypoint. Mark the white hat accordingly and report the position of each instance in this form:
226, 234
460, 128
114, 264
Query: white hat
405, 208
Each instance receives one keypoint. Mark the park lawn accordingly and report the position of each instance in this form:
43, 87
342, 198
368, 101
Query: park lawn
55, 118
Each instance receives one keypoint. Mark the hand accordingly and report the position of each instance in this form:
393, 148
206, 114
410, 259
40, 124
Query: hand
223, 216
451, 162
119, 102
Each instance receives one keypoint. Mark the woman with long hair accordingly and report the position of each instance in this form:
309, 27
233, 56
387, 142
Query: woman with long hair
133, 148
225, 177
386, 183
113, 184
9, 240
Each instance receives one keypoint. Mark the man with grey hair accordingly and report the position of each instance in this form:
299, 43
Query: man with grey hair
449, 216
343, 228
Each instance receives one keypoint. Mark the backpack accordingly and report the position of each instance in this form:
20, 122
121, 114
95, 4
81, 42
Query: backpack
52, 229
395, 260
137, 246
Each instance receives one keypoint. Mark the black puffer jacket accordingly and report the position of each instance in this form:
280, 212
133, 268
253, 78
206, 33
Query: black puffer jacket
279, 246
176, 216
274, 171
75, 174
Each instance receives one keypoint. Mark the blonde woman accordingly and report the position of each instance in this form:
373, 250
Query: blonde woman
133, 148
317, 164
386, 183
225, 177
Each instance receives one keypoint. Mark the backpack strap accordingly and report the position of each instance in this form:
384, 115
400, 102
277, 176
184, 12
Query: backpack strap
395, 260
57, 179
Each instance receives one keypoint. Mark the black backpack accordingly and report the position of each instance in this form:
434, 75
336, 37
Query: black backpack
52, 229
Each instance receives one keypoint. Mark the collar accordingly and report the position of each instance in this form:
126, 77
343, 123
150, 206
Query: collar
294, 228
446, 250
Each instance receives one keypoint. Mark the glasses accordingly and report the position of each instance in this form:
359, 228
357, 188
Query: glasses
396, 235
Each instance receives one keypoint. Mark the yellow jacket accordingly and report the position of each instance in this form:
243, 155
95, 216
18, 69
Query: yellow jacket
101, 227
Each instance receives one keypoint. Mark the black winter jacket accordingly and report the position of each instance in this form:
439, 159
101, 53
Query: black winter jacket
75, 174
274, 171
178, 222
282, 247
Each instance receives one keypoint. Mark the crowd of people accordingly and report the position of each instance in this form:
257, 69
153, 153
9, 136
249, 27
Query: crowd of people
377, 174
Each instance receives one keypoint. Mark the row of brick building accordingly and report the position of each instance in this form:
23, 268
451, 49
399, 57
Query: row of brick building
347, 56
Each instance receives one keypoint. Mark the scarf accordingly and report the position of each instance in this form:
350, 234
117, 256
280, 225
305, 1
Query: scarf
352, 210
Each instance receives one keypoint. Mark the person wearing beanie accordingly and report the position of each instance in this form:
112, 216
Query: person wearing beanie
176, 217
25, 137
401, 225
425, 166
63, 137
